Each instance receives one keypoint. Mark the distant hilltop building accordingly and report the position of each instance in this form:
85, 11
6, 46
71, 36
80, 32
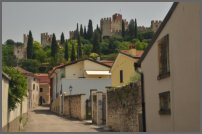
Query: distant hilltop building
21, 51
112, 26
154, 26
71, 34
46, 39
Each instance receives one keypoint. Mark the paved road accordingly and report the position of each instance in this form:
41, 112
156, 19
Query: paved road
43, 120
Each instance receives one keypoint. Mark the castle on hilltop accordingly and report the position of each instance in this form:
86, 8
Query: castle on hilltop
112, 26
21, 51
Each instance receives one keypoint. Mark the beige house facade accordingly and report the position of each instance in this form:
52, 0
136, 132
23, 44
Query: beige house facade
88, 73
171, 69
123, 67
33, 88
44, 94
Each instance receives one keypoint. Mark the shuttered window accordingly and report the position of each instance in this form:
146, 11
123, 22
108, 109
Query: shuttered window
163, 50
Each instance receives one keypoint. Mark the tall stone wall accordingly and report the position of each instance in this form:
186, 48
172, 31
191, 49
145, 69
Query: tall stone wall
124, 108
74, 106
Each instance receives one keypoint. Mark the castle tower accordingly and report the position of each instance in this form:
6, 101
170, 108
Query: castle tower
105, 25
45, 39
155, 25
25, 40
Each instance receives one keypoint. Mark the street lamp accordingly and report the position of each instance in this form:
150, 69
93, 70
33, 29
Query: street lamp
70, 89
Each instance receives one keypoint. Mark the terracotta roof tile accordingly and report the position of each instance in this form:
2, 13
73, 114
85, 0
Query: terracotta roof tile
107, 62
43, 78
138, 52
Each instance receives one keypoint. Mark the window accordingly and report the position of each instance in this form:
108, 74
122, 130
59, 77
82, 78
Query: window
33, 86
164, 103
121, 76
41, 89
163, 54
34, 79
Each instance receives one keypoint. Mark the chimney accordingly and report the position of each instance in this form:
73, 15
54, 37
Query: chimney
98, 58
132, 49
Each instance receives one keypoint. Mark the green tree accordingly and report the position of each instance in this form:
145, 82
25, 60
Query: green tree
73, 57
54, 46
90, 30
30, 46
81, 30
85, 33
88, 49
135, 30
31, 65
94, 56
96, 42
8, 57
38, 53
79, 50
62, 39
131, 28
10, 42
66, 51
123, 28
17, 87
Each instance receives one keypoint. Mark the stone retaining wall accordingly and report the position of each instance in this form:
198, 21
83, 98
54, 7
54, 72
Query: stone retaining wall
124, 108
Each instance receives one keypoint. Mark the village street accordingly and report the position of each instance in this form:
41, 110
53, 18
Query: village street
43, 120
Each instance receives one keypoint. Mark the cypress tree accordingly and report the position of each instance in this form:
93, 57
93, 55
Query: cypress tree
85, 33
62, 39
77, 30
90, 30
66, 51
81, 30
54, 46
96, 42
123, 29
73, 58
135, 34
30, 50
79, 51
131, 28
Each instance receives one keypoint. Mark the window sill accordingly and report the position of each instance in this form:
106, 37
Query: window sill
161, 76
165, 112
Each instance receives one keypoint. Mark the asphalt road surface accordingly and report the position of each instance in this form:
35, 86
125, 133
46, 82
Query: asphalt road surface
43, 120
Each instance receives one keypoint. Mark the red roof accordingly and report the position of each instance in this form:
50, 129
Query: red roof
25, 72
55, 67
107, 62
43, 78
138, 53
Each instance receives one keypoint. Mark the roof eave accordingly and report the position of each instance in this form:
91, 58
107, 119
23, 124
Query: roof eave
170, 12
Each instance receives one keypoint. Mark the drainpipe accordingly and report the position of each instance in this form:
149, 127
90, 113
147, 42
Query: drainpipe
136, 66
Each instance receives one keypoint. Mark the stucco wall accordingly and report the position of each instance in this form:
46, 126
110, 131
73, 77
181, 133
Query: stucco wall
123, 108
126, 64
5, 87
45, 93
83, 86
183, 28
74, 70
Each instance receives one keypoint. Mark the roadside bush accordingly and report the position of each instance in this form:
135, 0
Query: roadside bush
17, 87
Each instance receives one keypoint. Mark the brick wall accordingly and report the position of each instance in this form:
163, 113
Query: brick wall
124, 108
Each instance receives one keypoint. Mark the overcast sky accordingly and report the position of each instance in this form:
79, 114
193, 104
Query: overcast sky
57, 17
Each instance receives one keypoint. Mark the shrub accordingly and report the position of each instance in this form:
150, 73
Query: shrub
17, 87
